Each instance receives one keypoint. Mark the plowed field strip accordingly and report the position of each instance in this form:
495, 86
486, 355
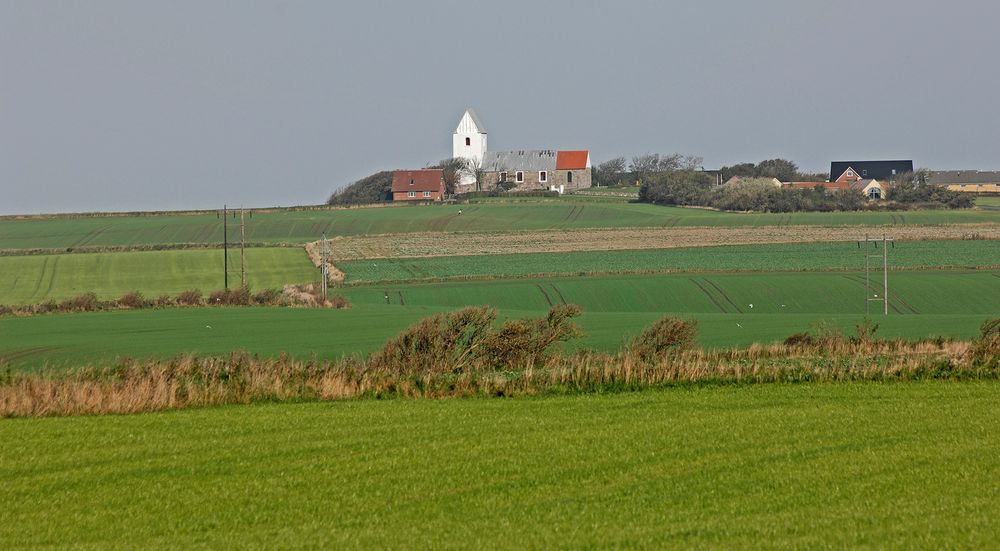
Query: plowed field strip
425, 244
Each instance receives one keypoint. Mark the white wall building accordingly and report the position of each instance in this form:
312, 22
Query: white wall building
469, 142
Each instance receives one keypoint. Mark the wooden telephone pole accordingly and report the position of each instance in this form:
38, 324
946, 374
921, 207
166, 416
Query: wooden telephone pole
225, 247
243, 251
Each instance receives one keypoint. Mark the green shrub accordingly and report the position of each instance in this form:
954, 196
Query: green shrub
665, 336
134, 300
191, 297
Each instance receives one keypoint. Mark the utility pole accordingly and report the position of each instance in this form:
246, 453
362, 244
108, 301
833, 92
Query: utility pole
884, 299
225, 247
243, 251
323, 270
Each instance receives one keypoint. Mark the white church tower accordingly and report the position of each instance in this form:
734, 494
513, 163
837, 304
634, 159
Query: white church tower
469, 140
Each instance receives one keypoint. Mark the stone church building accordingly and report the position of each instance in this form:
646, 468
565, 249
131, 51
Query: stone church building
525, 170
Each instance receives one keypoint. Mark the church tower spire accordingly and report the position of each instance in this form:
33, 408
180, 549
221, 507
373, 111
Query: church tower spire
469, 140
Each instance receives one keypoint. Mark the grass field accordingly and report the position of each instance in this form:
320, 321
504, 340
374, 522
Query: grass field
37, 278
910, 465
296, 227
937, 292
804, 256
950, 304
988, 203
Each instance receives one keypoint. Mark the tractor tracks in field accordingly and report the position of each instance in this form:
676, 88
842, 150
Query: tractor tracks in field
709, 295
895, 300
548, 298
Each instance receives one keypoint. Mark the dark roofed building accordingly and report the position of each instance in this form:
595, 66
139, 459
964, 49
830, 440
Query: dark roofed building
870, 170
967, 181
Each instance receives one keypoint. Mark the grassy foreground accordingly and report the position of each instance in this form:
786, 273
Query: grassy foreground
907, 465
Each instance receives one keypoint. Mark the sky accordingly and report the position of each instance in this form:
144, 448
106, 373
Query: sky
138, 105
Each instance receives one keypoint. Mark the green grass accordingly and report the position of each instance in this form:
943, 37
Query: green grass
931, 292
989, 202
950, 304
910, 465
37, 278
302, 226
802, 256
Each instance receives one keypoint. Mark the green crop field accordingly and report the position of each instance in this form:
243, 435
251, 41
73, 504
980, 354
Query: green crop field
294, 227
930, 292
802, 256
950, 304
37, 278
909, 465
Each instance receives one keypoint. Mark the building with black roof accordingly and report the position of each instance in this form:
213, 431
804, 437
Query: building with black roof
871, 170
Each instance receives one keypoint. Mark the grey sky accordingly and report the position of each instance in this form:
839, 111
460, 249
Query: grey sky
108, 105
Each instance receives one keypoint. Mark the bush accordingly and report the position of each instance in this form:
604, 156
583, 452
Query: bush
133, 299
376, 188
163, 301
230, 297
526, 342
986, 350
667, 335
86, 302
465, 341
339, 302
191, 297
267, 297
800, 339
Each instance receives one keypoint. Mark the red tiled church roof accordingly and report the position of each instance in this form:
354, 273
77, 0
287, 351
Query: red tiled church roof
572, 160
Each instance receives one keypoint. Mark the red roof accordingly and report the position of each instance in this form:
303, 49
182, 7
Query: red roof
572, 160
431, 179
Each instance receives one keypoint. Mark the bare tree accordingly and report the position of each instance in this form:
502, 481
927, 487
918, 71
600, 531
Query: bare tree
610, 172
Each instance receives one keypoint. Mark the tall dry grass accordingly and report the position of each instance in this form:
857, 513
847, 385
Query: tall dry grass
141, 386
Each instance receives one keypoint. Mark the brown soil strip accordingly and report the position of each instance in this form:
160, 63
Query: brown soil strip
428, 244
709, 295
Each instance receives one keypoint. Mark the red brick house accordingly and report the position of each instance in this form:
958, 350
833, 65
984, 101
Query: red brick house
418, 185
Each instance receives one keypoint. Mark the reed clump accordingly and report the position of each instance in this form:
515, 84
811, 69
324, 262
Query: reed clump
469, 353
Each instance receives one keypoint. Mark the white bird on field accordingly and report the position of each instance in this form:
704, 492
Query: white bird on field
208, 327
751, 306
740, 326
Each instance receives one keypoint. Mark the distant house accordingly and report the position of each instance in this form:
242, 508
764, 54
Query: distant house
829, 186
872, 189
864, 170
418, 185
735, 180
966, 181
538, 169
